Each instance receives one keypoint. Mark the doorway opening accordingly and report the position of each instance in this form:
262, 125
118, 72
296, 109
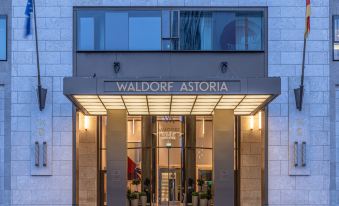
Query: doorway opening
167, 155
169, 158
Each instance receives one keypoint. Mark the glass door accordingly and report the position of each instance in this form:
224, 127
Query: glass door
170, 137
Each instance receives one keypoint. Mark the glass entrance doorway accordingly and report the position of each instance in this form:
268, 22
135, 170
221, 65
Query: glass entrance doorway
166, 159
170, 142
169, 158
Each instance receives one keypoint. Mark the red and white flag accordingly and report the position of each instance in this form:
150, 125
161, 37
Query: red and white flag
308, 18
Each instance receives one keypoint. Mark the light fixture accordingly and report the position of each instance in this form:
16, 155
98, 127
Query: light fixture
203, 125
133, 128
259, 123
86, 122
170, 104
251, 122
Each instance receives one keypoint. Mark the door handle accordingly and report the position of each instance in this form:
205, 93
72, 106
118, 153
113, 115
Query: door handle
44, 157
295, 146
303, 154
36, 153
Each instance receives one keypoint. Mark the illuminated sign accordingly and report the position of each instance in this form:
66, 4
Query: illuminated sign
171, 86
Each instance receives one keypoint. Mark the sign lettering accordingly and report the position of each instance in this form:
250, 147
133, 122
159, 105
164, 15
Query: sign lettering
171, 86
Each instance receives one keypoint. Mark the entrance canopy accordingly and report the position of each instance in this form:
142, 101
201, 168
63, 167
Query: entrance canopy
94, 96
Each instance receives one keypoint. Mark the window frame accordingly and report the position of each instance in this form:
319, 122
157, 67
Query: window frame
334, 18
3, 16
262, 9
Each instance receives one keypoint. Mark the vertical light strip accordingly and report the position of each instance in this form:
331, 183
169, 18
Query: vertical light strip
259, 123
133, 127
203, 125
251, 122
86, 122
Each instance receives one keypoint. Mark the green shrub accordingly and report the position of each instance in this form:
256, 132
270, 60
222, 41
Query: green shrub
203, 196
142, 194
133, 196
195, 194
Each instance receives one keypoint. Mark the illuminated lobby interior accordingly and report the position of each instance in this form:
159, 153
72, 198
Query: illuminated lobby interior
170, 146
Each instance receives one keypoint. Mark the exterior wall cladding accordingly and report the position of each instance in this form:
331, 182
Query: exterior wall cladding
285, 44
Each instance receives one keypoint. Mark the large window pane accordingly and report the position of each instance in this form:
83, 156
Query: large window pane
249, 32
91, 31
224, 31
144, 31
116, 31
220, 31
3, 38
336, 38
160, 30
195, 30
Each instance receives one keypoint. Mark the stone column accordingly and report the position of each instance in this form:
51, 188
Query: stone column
146, 139
190, 153
87, 162
223, 153
116, 157
154, 180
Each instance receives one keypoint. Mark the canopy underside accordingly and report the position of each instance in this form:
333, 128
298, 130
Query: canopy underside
171, 104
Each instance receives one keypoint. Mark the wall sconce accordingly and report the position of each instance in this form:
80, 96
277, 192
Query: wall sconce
251, 122
86, 122
259, 123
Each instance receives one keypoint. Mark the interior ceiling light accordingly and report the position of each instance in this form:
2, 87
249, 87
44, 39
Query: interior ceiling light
170, 104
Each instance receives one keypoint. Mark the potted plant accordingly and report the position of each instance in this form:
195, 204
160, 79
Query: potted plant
134, 199
200, 183
147, 184
209, 194
143, 198
128, 197
136, 182
203, 199
195, 198
190, 190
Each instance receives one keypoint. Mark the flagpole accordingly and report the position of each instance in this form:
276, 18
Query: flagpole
36, 44
302, 75
299, 92
42, 92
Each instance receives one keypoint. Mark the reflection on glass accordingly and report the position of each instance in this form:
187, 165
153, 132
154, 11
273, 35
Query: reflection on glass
144, 31
203, 153
119, 30
336, 38
230, 31
134, 154
170, 30
116, 30
86, 40
336, 51
3, 38
336, 28
195, 30
170, 133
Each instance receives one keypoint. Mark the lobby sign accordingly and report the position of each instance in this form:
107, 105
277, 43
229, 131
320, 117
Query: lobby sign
172, 87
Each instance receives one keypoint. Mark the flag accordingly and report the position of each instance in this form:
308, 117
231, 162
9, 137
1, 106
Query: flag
28, 11
308, 18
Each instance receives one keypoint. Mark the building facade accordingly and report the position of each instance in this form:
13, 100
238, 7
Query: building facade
290, 159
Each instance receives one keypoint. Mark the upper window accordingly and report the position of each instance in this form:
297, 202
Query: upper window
155, 30
336, 38
3, 38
